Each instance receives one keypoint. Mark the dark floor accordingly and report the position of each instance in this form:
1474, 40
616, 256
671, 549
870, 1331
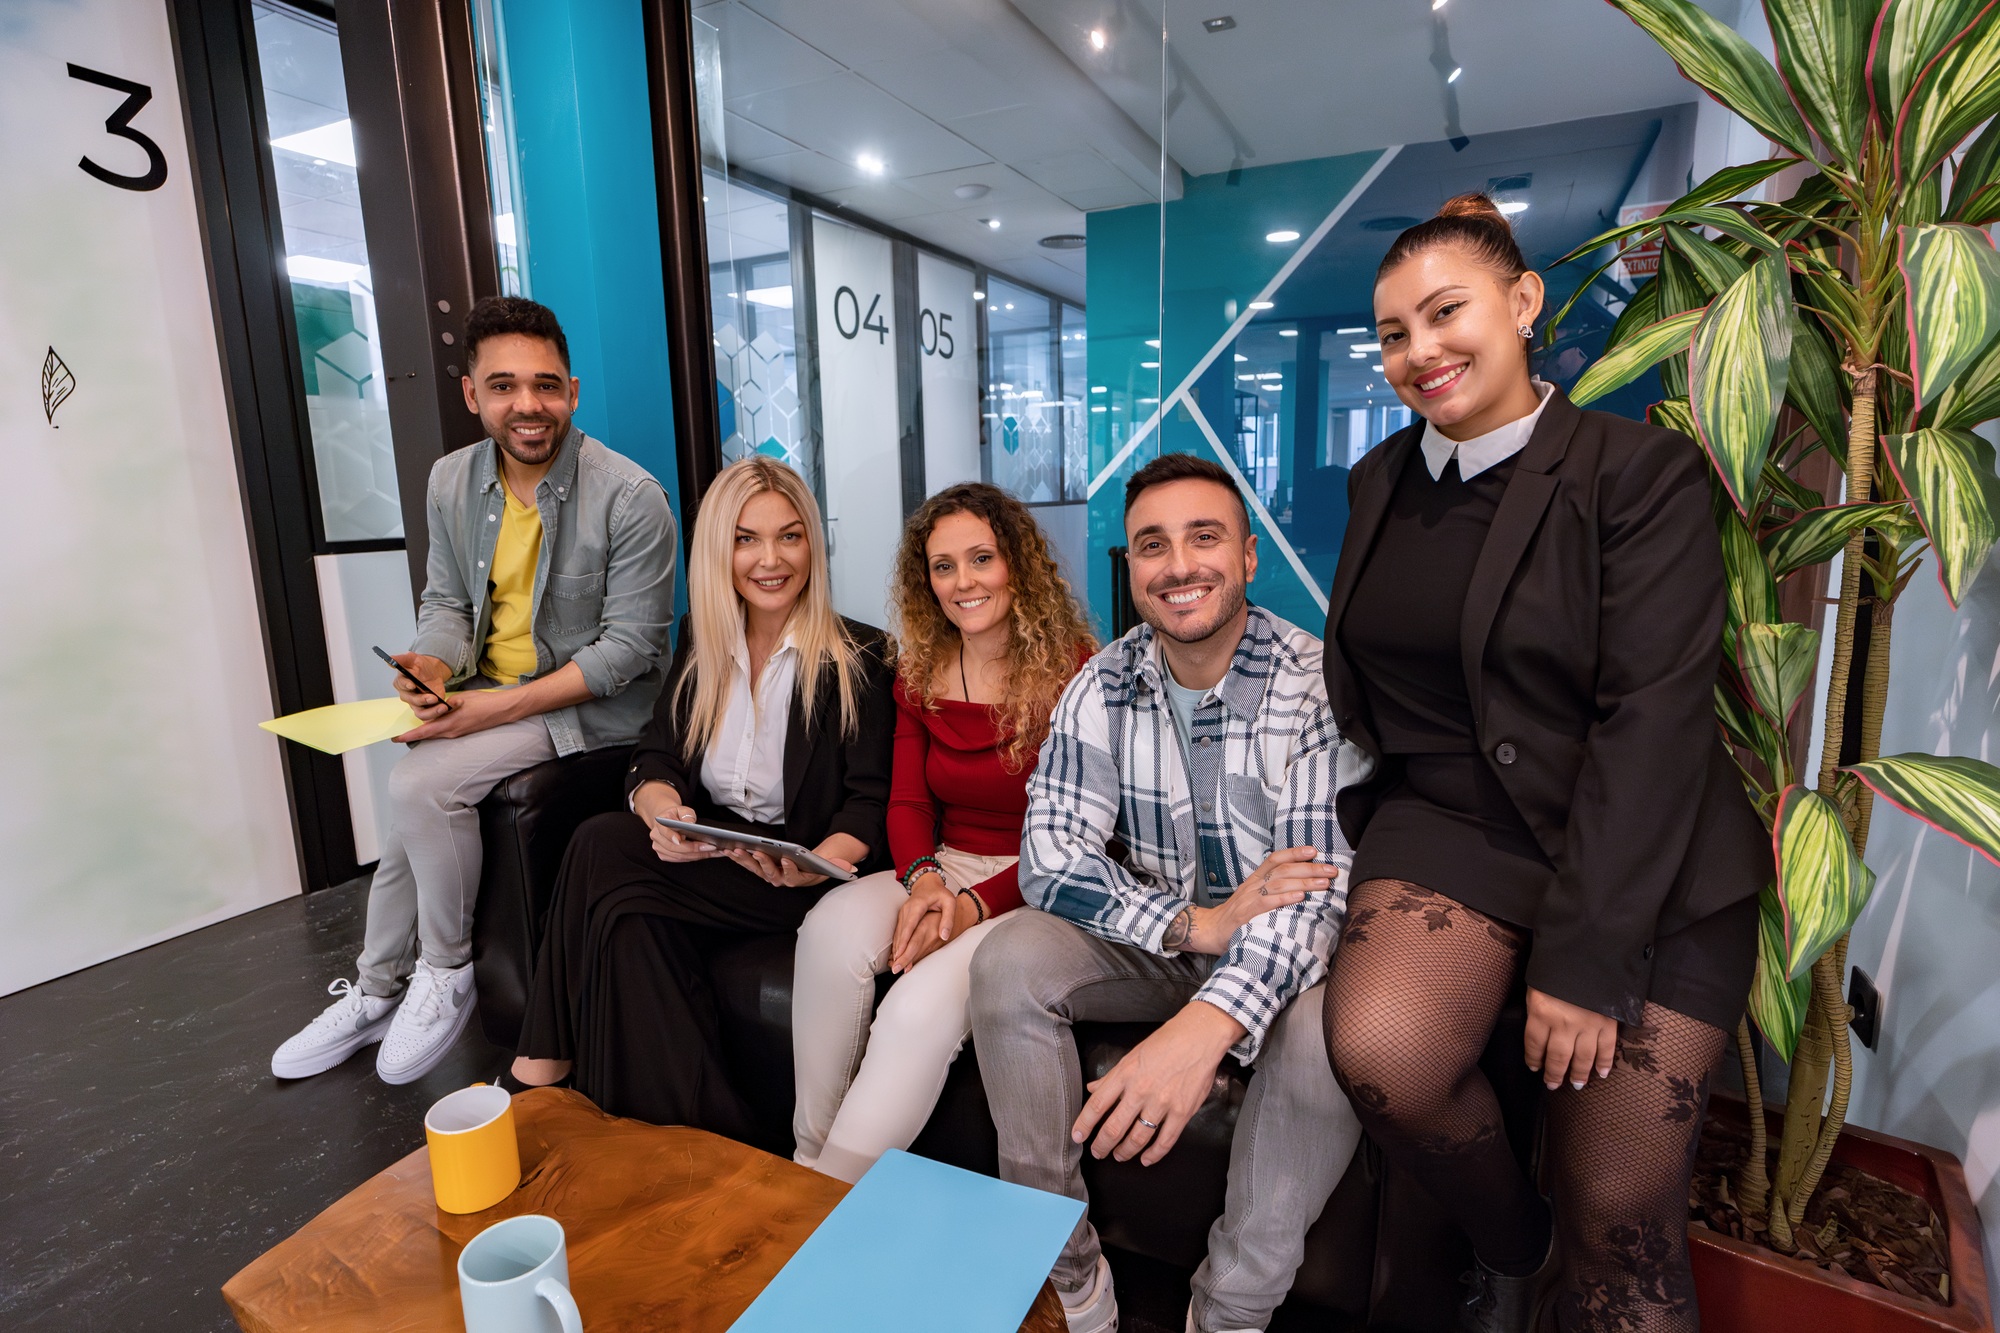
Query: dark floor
146, 1153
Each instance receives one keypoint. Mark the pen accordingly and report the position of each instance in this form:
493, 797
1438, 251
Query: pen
410, 676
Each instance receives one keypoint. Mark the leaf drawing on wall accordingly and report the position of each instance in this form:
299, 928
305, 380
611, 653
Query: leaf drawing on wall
57, 384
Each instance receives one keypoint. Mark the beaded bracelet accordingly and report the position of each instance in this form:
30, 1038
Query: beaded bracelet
978, 905
918, 867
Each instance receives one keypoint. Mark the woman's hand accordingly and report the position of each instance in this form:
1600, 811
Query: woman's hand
782, 872
655, 801
1286, 876
1568, 1041
931, 919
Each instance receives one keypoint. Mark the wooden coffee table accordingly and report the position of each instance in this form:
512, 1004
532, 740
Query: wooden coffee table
668, 1228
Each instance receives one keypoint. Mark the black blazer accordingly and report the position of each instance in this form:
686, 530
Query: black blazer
832, 785
1590, 642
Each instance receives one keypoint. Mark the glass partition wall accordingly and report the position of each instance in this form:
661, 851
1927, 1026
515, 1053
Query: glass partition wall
1040, 241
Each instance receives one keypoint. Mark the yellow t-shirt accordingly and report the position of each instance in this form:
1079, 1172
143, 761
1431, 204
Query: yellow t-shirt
510, 638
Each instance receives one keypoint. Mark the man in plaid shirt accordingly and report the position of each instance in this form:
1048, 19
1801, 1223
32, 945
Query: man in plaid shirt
1181, 843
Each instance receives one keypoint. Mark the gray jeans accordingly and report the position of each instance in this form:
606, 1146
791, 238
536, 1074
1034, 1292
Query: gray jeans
428, 878
1035, 976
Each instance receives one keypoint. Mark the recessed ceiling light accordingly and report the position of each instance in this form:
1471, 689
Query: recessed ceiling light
1098, 388
1010, 305
1063, 240
1152, 342
1512, 206
1241, 357
1097, 39
1149, 365
992, 224
1344, 331
1455, 72
319, 161
1376, 369
1280, 237
332, 142
1262, 305
973, 190
871, 164
1288, 333
1098, 408
979, 296
1246, 377
1364, 347
1437, 5
1221, 24
1357, 356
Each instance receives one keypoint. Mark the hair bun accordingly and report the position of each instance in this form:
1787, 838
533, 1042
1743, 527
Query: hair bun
1473, 205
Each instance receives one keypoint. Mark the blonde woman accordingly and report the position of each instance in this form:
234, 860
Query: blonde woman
987, 635
776, 719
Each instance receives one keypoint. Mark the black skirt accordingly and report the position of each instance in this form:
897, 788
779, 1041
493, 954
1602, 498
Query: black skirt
621, 983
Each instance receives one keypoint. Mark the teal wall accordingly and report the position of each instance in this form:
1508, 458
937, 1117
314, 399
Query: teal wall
583, 128
1216, 260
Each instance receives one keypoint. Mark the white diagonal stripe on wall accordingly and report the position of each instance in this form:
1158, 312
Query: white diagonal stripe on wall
1180, 392
1249, 494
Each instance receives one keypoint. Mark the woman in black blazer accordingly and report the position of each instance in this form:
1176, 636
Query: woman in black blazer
776, 719
1522, 635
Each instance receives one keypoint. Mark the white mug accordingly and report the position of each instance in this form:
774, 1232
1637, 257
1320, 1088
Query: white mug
513, 1277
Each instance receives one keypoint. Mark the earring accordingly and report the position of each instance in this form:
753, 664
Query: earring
1526, 331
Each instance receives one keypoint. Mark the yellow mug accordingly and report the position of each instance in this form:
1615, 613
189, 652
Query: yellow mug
475, 1159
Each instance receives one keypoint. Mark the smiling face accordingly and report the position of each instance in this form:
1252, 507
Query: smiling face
772, 558
1190, 559
968, 573
1451, 346
524, 395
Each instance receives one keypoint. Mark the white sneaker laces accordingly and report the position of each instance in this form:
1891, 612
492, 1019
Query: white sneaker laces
432, 999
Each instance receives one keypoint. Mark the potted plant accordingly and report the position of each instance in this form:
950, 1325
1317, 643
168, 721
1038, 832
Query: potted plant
1868, 302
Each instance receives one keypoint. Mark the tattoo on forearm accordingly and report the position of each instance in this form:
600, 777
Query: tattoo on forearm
1179, 929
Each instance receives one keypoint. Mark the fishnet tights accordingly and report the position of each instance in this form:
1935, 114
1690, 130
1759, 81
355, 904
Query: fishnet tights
1417, 985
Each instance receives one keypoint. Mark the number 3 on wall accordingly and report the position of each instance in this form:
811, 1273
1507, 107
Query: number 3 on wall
119, 123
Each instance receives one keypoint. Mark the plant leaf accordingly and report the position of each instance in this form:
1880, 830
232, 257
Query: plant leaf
1948, 475
1980, 169
1973, 398
1710, 53
1631, 358
1980, 210
1728, 221
1777, 1006
1717, 267
1777, 662
1951, 278
1822, 884
1958, 797
1753, 593
1951, 99
1743, 725
1909, 35
1641, 310
1672, 414
1818, 534
1737, 367
1815, 386
1787, 491
1822, 48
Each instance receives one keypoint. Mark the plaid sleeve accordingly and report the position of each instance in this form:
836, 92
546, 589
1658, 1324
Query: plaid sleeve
1072, 813
1282, 953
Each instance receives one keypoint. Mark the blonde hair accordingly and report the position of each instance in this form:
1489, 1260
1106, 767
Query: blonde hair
1045, 641
818, 633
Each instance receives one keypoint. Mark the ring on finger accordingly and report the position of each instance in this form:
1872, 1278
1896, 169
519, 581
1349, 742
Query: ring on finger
1149, 1124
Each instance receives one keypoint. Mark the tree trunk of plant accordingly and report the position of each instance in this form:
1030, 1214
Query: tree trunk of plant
1753, 1188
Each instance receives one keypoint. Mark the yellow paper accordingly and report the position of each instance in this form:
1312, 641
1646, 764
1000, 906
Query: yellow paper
338, 728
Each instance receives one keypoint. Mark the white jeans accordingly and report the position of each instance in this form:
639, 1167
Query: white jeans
853, 1109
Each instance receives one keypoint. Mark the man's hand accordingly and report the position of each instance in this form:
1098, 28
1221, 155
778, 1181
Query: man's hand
475, 710
655, 801
1567, 1040
1286, 876
433, 672
1147, 1098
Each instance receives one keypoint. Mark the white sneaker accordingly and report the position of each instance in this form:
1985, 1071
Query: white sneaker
1095, 1308
433, 1012
343, 1027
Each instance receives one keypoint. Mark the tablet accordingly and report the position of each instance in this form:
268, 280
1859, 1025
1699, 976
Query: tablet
773, 847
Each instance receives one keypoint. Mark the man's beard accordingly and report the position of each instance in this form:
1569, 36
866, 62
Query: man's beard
1230, 598
532, 457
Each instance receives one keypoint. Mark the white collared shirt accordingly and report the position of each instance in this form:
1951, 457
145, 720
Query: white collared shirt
1483, 451
744, 769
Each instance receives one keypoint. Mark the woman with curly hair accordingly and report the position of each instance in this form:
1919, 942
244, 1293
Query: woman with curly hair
987, 635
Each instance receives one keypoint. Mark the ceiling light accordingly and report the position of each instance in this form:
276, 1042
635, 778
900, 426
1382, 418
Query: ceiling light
1436, 5
1364, 347
1350, 330
979, 296
1288, 333
973, 190
1098, 408
1512, 206
1246, 377
1241, 357
1455, 72
1010, 305
1097, 39
1098, 388
1152, 342
1357, 356
1262, 305
778, 298
870, 163
1149, 400
1376, 369
319, 161
332, 142
312, 268
1280, 237
992, 224
1149, 365
1222, 24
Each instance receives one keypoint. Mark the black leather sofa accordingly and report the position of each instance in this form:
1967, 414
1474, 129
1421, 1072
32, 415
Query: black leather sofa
1380, 1256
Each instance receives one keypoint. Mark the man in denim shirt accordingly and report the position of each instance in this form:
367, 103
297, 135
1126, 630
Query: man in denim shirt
549, 599
1181, 844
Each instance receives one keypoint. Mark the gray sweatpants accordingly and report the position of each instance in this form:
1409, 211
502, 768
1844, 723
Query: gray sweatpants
1037, 974
428, 878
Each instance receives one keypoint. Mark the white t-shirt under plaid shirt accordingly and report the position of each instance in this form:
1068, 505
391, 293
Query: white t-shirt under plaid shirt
1113, 767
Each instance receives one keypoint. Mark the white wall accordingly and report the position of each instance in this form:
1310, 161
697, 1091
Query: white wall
137, 797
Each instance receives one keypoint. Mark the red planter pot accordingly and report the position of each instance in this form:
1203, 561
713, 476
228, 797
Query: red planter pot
1746, 1288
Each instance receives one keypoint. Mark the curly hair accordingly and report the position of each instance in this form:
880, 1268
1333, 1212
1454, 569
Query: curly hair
1048, 637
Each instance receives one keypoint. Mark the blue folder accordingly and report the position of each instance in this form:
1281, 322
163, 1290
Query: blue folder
915, 1247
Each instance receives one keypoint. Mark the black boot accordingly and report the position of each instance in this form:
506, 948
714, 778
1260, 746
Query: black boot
1497, 1303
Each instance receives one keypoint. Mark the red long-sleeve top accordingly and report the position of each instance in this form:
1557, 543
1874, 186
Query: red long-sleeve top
948, 785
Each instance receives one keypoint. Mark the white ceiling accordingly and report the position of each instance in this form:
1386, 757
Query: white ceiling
1011, 95
319, 203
